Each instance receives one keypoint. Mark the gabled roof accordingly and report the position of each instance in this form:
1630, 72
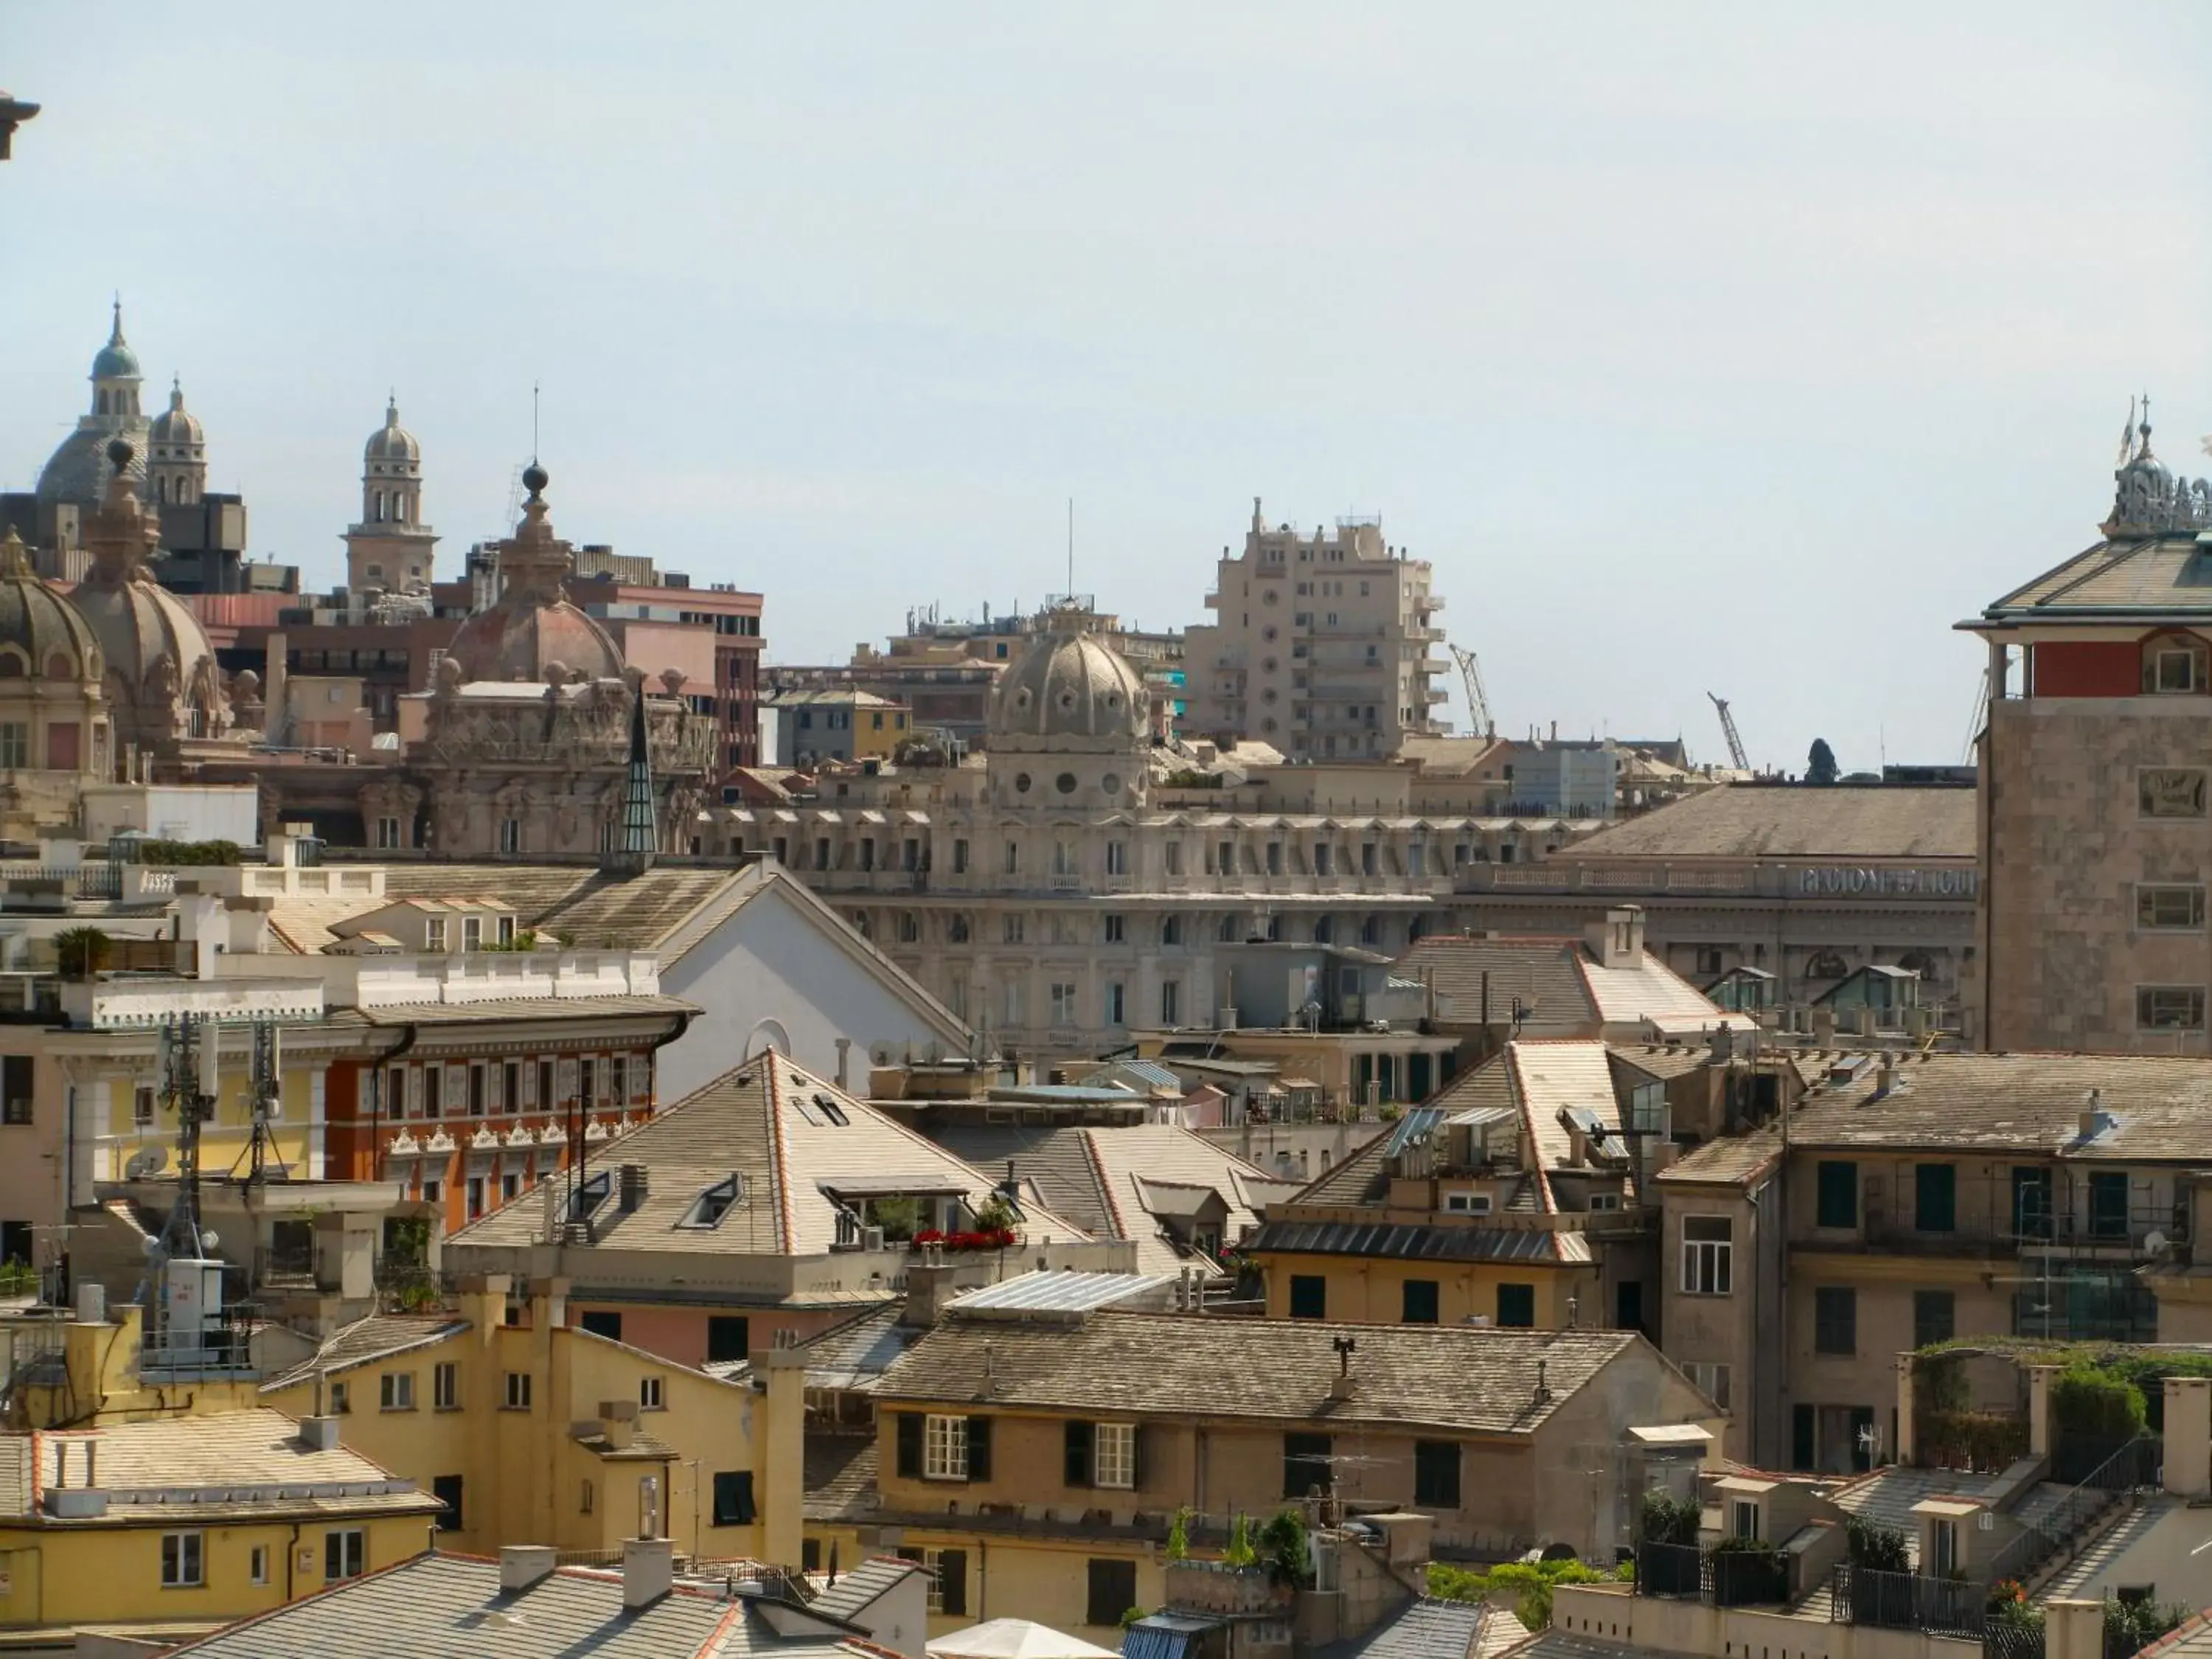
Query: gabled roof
1122, 1181
452, 1607
1426, 1628
864, 1586
1562, 991
796, 1142
380, 1336
1478, 1380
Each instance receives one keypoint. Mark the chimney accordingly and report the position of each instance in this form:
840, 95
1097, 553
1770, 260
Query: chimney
634, 1189
2093, 1114
648, 1570
780, 1449
844, 1060
521, 1566
1886, 1079
1543, 1387
319, 1433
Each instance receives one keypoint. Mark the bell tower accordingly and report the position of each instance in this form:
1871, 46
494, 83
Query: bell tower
390, 550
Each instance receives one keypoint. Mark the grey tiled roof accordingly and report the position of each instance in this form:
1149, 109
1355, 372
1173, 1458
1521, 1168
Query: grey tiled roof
1422, 1629
527, 1008
365, 1341
1545, 973
1771, 821
445, 1607
866, 1582
840, 1473
1478, 1379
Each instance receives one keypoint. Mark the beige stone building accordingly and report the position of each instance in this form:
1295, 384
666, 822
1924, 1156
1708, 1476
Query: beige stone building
1084, 878
2052, 1197
2096, 836
1324, 646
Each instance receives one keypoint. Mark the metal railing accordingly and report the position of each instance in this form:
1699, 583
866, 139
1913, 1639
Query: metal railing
1908, 1601
2134, 1465
1718, 1577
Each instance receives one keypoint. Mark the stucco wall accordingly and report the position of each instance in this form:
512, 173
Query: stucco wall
771, 963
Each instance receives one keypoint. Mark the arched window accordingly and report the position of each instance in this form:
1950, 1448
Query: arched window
100, 404
398, 507
1825, 964
1324, 930
162, 490
1918, 962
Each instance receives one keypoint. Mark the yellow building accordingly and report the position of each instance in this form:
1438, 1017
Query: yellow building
532, 1430
1034, 1456
1493, 1205
191, 1520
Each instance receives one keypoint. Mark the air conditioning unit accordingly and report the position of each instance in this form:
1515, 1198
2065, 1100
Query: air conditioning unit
872, 1238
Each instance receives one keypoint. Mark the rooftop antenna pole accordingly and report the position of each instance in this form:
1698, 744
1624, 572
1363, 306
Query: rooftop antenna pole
533, 422
1071, 548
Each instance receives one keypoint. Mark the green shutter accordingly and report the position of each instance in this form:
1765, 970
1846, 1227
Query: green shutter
952, 1580
909, 1445
1838, 1194
1076, 1454
1936, 1197
1516, 1305
979, 1448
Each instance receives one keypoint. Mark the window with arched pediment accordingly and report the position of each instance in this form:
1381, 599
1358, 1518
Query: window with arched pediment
13, 665
59, 667
2176, 663
1825, 964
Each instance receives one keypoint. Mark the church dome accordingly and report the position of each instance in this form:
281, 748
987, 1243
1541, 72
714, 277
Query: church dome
159, 666
534, 630
116, 362
1071, 693
78, 471
176, 424
42, 635
392, 441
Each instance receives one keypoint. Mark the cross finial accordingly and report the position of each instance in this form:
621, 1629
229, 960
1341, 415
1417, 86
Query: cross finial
115, 334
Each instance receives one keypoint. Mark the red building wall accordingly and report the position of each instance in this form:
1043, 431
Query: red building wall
2087, 668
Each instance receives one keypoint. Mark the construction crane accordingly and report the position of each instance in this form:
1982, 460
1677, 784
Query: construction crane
1736, 756
1478, 702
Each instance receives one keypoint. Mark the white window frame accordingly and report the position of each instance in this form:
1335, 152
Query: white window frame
518, 1391
352, 1551
387, 834
2183, 655
1604, 1202
650, 1396
433, 933
1467, 1203
183, 1561
395, 1391
943, 1448
932, 1562
2154, 1002
1708, 1263
1063, 1002
2184, 899
445, 1385
1114, 1455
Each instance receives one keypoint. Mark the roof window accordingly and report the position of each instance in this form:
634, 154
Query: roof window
717, 1201
588, 1197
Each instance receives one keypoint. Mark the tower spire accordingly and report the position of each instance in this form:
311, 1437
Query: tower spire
115, 332
635, 838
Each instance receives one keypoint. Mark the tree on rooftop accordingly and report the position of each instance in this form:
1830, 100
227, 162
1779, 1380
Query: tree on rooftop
1820, 765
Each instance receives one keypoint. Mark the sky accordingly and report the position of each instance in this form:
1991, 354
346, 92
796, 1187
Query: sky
1728, 347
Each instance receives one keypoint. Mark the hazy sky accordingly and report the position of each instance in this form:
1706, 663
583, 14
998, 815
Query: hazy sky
1744, 347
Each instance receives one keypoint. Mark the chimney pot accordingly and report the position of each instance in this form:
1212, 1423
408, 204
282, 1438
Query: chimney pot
521, 1566
648, 1570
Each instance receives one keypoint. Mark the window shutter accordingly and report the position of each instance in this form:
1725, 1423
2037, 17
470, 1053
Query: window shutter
744, 1495
979, 1448
1079, 1455
952, 1580
909, 1445
1137, 1436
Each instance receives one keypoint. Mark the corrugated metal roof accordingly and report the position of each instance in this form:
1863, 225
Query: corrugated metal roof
1416, 1243
1059, 1292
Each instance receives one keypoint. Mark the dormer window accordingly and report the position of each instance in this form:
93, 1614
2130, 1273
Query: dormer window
433, 933
717, 1201
507, 931
1467, 1203
473, 933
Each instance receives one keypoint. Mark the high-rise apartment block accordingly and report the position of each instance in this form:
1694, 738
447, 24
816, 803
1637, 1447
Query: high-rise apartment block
2095, 835
1324, 646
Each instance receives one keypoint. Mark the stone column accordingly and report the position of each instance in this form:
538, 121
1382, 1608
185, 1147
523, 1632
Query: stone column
1904, 1449
2188, 1435
2073, 1630
2039, 1379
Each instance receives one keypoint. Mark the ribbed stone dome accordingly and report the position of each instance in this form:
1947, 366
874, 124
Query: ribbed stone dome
1071, 693
42, 635
392, 441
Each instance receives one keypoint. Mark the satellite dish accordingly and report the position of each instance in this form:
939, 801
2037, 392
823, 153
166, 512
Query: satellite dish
2155, 1241
157, 1158
135, 1167
210, 1238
